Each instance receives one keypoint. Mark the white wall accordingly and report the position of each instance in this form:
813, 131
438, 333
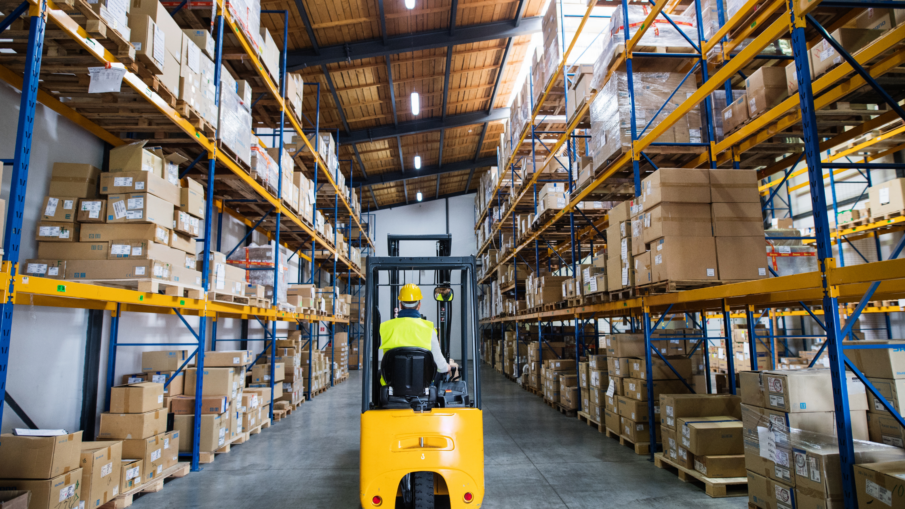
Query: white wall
422, 219
47, 354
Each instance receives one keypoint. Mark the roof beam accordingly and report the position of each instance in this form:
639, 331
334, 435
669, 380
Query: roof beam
452, 17
424, 125
300, 5
299, 59
499, 76
392, 89
405, 190
425, 171
449, 52
425, 200
339, 106
401, 160
383, 22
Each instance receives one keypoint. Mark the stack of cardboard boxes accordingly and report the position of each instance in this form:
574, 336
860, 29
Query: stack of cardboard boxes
703, 432
559, 374
142, 226
138, 418
885, 369
339, 354
620, 268
509, 357
47, 466
594, 386
289, 354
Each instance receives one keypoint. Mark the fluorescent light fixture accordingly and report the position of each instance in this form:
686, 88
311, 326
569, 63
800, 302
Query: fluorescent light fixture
409, 4
418, 196
416, 103
417, 162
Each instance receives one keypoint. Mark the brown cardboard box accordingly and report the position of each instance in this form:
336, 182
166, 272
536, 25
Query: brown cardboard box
100, 462
625, 345
59, 209
892, 390
675, 185
792, 75
51, 269
136, 398
808, 390
637, 389
734, 186
164, 360
184, 243
60, 492
643, 274
752, 388
139, 208
261, 373
39, 457
130, 474
214, 431
130, 182
670, 444
150, 451
92, 210
637, 432
109, 232
817, 466
170, 449
741, 258
186, 224
132, 426
677, 406
75, 251
735, 114
117, 269
766, 493
228, 358
825, 58
764, 89
70, 179
191, 199
619, 366
217, 382
134, 157
684, 458
721, 467
612, 420
710, 436
888, 197
876, 19
684, 259
884, 429
635, 410
737, 220
880, 482
145, 250
185, 405
49, 231
142, 37
659, 369
678, 219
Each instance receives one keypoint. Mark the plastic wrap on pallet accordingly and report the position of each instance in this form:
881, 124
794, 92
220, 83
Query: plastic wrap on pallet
611, 112
256, 257
559, 31
710, 17
718, 98
235, 126
789, 260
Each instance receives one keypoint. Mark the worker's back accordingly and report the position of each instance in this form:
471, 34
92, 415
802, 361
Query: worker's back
405, 331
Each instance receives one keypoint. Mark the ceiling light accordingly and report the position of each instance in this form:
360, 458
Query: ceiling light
409, 4
418, 196
416, 103
417, 162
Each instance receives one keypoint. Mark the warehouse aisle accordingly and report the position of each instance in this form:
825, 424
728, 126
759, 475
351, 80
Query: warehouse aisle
534, 458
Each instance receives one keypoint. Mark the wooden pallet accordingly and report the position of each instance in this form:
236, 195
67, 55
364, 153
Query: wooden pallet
208, 457
196, 119
887, 217
586, 418
640, 448
561, 409
662, 287
149, 285
100, 31
279, 415
126, 498
864, 221
596, 298
623, 294
259, 303
232, 155
229, 298
715, 488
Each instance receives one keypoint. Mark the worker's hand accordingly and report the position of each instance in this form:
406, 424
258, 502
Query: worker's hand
452, 364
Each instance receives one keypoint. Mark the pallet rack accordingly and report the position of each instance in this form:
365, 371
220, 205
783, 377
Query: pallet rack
778, 296
76, 49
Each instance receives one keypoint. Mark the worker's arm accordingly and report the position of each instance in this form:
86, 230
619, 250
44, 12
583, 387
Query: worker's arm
442, 365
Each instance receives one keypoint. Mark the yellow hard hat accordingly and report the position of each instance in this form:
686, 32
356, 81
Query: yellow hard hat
410, 293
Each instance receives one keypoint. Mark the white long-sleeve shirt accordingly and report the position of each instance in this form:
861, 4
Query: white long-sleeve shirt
439, 361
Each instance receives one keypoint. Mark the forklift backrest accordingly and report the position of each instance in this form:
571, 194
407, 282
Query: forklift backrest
408, 370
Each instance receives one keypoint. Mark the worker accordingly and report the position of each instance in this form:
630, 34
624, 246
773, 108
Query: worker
408, 329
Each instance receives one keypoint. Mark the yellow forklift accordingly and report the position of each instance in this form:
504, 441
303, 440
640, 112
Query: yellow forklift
422, 435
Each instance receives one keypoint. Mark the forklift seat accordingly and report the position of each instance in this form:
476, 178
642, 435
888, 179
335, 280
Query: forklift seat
408, 373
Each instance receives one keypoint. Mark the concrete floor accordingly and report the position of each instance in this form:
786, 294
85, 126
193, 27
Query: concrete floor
535, 457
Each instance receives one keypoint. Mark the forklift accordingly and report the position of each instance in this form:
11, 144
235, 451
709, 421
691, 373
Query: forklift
422, 435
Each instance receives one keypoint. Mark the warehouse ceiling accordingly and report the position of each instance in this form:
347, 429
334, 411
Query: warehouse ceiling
463, 59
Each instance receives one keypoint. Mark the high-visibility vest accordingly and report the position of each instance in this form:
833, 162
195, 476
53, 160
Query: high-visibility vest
405, 332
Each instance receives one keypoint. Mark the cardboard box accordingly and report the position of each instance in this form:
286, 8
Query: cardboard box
144, 35
764, 89
737, 220
49, 231
677, 406
136, 398
741, 258
643, 273
39, 457
130, 474
792, 76
186, 224
887, 198
214, 431
135, 157
625, 345
51, 269
261, 373
217, 382
145, 250
612, 420
677, 219
132, 426
170, 449
139, 208
752, 388
59, 209
721, 467
809, 390
637, 389
619, 366
117, 269
637, 432
735, 114
659, 369
77, 180
228, 358
675, 185
109, 232
185, 405
60, 492
100, 463
150, 451
817, 464
131, 182
884, 429
684, 259
191, 198
92, 210
684, 458
635, 410
880, 484
825, 58
734, 186
164, 360
710, 436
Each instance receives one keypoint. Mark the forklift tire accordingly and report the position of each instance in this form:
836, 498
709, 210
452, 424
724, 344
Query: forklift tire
423, 490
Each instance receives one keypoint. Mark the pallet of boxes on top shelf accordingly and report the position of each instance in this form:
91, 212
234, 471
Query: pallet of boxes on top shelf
137, 232
250, 260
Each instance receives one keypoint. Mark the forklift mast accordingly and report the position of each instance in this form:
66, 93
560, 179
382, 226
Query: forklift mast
444, 309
